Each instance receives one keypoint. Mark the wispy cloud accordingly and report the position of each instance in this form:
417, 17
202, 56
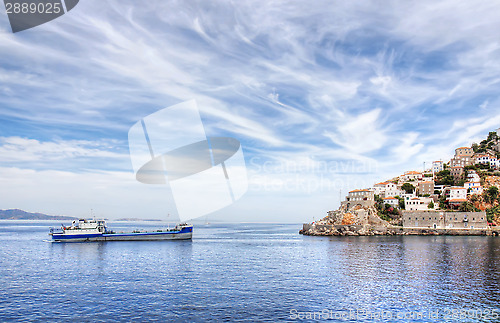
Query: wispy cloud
394, 84
71, 155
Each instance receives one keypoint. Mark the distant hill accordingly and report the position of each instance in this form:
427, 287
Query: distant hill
16, 214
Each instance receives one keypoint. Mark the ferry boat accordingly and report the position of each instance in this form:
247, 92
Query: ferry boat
96, 230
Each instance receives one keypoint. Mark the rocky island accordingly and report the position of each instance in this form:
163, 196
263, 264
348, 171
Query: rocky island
16, 214
460, 197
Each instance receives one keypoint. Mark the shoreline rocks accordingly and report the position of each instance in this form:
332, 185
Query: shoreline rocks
309, 229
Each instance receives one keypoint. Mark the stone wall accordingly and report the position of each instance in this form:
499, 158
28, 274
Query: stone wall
335, 216
444, 220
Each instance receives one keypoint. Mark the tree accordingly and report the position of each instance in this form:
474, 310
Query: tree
444, 178
486, 197
444, 172
442, 202
492, 136
467, 207
492, 213
408, 188
379, 204
493, 193
401, 202
431, 205
470, 167
484, 166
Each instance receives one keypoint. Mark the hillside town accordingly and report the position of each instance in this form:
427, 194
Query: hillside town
461, 193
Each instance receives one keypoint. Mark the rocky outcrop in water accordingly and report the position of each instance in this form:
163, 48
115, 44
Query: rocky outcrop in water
354, 221
349, 230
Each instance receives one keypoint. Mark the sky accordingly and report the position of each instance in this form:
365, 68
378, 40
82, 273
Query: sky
324, 96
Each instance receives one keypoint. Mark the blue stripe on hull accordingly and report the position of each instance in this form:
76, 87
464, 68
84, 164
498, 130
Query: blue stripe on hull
185, 233
75, 236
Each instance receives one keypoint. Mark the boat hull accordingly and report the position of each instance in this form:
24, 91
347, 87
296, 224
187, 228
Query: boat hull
185, 234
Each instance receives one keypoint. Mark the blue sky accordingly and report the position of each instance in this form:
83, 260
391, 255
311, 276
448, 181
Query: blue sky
325, 97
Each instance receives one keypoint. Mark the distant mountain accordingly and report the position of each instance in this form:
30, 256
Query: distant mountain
16, 214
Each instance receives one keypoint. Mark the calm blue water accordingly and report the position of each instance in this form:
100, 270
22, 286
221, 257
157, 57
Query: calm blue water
247, 272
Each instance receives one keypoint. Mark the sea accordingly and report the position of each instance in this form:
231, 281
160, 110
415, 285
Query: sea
247, 273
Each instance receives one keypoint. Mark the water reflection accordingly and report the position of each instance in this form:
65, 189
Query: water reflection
418, 272
229, 272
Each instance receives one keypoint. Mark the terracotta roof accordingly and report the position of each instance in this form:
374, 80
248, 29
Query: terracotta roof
412, 173
458, 200
437, 161
427, 182
390, 198
381, 183
362, 190
463, 148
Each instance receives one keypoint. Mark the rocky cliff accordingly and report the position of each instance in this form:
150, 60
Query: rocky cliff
357, 220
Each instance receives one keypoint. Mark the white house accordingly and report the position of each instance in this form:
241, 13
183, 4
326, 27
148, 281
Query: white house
455, 195
417, 203
379, 188
386, 189
487, 159
472, 176
437, 166
392, 201
494, 162
407, 196
412, 176
475, 187
483, 159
